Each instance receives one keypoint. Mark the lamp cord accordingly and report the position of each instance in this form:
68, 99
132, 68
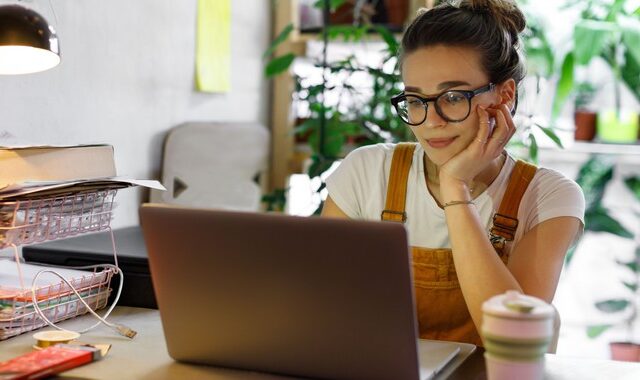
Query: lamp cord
55, 17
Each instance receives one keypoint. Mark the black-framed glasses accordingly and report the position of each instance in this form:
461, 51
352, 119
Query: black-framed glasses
453, 106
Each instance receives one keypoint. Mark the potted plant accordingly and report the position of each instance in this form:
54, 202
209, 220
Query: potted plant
329, 128
594, 177
609, 31
584, 116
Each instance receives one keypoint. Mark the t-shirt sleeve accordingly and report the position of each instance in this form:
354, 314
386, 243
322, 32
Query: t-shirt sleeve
347, 185
553, 195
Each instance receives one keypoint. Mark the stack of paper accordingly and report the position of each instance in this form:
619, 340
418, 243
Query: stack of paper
44, 170
23, 163
43, 189
56, 300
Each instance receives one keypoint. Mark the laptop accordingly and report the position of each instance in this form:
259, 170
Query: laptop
302, 296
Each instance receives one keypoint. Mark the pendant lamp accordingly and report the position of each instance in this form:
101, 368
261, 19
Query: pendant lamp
28, 44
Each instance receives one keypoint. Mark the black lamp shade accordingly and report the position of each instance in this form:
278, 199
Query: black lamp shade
28, 43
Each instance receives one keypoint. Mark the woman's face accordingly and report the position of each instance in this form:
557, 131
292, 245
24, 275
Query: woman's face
430, 71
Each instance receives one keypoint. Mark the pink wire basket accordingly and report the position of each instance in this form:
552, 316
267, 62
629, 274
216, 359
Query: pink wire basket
37, 220
28, 221
57, 302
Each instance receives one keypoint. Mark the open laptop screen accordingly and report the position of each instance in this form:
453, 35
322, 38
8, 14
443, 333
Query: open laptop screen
313, 297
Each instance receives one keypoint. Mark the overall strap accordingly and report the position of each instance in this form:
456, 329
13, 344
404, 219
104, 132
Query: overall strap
505, 221
397, 186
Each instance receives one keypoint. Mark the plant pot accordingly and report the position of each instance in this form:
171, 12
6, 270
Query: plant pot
619, 127
625, 351
585, 122
398, 11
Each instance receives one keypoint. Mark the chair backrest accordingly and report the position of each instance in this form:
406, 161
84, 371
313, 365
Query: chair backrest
214, 165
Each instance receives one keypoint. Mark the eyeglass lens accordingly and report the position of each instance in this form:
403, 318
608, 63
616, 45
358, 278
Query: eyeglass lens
451, 105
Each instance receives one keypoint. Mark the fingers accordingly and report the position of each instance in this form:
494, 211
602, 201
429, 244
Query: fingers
503, 130
484, 130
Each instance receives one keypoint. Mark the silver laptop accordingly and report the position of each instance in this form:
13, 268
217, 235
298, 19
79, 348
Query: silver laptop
310, 297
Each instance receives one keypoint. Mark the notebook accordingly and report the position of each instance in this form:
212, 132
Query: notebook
308, 297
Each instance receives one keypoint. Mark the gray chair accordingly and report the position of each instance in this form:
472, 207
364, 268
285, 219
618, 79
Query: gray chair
214, 165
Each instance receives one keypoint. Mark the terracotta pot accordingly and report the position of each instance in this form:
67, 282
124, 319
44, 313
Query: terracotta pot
585, 122
625, 351
398, 11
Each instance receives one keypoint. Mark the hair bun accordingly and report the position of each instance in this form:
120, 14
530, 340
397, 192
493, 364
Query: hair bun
505, 12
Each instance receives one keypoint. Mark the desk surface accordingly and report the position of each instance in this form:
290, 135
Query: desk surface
146, 357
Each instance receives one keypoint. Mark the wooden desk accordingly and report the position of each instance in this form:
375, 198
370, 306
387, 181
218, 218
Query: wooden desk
146, 357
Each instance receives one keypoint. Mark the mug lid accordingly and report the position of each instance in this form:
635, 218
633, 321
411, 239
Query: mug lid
517, 305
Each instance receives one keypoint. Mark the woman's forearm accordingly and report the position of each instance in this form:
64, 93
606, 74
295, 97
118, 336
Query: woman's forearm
480, 271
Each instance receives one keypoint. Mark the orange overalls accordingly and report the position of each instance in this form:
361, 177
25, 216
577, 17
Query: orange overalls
442, 311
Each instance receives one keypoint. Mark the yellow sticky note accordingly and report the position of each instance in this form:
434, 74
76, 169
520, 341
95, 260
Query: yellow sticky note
213, 51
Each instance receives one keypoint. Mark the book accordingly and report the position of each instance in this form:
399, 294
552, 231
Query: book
55, 163
48, 361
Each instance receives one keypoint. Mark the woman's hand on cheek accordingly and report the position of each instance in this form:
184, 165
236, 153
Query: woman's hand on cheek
483, 149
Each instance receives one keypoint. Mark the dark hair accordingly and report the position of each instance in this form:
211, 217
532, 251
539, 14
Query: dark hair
491, 27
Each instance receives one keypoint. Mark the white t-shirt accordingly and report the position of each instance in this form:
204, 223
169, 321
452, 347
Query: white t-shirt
359, 188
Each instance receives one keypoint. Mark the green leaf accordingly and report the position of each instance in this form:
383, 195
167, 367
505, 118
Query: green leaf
533, 149
593, 177
306, 126
631, 286
284, 34
633, 183
333, 4
590, 38
612, 306
596, 331
565, 84
334, 139
318, 166
276, 200
599, 220
630, 73
360, 32
632, 265
279, 65
351, 129
615, 9
552, 135
540, 56
631, 35
387, 36
344, 31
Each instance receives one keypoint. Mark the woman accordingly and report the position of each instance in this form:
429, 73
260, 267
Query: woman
479, 222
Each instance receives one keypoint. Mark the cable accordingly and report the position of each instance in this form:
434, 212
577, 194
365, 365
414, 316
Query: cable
120, 329
55, 17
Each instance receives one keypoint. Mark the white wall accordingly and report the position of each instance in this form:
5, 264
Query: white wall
126, 78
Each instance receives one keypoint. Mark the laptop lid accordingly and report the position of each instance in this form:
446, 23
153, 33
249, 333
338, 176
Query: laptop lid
312, 297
